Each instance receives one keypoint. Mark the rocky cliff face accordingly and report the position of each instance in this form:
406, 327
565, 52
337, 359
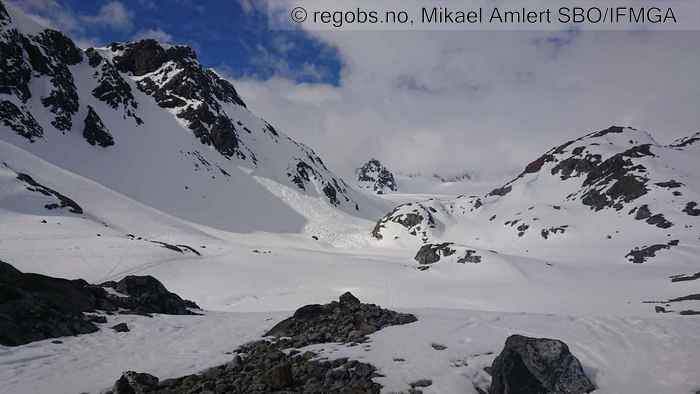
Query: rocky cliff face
617, 187
130, 103
375, 177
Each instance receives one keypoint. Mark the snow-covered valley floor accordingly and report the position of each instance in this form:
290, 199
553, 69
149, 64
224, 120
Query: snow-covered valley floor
244, 281
621, 354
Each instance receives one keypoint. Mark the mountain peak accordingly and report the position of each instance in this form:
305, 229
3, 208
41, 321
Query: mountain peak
145, 56
374, 176
157, 108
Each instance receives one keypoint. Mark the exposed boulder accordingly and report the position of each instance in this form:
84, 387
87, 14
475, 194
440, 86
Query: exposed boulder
145, 294
346, 321
35, 307
537, 366
376, 177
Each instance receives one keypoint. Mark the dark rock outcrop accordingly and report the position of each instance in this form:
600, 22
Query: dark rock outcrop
121, 327
685, 277
376, 177
35, 307
416, 218
345, 321
690, 209
4, 16
263, 367
61, 200
95, 132
537, 366
21, 122
641, 255
111, 86
177, 76
135, 383
432, 253
145, 294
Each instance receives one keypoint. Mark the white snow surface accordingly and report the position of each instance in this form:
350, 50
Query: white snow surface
255, 232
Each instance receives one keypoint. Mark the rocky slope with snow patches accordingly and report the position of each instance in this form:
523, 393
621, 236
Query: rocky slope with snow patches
375, 177
149, 121
614, 195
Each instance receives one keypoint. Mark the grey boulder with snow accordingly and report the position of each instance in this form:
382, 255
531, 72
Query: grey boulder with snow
537, 366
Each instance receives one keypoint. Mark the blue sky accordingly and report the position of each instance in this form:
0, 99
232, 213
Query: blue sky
228, 35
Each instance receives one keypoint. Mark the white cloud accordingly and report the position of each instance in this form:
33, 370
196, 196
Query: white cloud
54, 15
273, 61
156, 34
112, 14
49, 13
247, 6
482, 101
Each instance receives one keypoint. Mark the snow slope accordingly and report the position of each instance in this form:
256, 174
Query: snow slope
148, 121
206, 205
614, 196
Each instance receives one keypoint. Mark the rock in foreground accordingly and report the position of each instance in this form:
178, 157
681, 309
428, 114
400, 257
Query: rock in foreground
270, 366
537, 366
35, 307
346, 320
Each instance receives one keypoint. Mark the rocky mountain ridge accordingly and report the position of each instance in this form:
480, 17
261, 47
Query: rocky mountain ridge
129, 103
617, 187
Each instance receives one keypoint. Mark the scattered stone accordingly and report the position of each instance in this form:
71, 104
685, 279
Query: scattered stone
537, 365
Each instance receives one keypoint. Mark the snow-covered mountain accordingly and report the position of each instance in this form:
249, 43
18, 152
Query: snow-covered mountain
615, 195
149, 121
375, 177
134, 159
